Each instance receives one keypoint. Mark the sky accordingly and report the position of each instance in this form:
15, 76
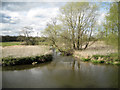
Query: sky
16, 15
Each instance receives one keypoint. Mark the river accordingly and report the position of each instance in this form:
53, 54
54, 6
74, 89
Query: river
62, 72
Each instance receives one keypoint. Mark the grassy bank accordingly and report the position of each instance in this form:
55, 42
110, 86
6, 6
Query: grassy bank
105, 59
99, 52
12, 61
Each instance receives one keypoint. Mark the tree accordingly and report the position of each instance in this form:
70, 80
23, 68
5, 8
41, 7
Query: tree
75, 26
26, 36
80, 19
57, 38
111, 25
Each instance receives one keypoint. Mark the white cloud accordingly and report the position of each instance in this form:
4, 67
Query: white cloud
3, 25
9, 13
36, 17
101, 18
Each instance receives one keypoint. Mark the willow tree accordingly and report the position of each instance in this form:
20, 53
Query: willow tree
56, 37
75, 26
80, 19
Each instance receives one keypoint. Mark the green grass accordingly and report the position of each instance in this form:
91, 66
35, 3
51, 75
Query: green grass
85, 59
109, 62
9, 43
107, 59
18, 43
113, 56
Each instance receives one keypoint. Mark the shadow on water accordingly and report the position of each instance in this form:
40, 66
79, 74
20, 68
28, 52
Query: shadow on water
62, 72
23, 67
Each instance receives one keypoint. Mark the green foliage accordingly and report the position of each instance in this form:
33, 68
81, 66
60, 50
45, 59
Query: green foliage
108, 59
95, 61
111, 25
112, 39
116, 63
85, 59
109, 62
114, 56
11, 61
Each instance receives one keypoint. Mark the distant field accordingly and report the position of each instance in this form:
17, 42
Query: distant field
18, 43
9, 43
23, 51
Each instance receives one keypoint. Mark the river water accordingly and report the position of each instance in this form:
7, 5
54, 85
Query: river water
62, 72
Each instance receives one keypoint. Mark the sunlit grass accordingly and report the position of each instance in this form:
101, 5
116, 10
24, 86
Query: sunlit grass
23, 51
9, 43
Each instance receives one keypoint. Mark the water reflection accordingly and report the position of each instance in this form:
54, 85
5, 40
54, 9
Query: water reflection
62, 72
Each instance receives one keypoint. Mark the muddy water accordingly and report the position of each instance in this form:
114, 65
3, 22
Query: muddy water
62, 72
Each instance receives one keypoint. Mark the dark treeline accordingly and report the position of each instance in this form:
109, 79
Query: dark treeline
9, 39
19, 38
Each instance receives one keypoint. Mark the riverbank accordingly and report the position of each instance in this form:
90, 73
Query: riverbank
12, 61
99, 52
20, 54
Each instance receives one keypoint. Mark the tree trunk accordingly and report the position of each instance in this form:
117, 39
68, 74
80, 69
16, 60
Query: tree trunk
78, 41
73, 39
86, 46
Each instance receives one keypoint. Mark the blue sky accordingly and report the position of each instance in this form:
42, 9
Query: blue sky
16, 15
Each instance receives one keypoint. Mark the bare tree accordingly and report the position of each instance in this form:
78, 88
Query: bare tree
27, 38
